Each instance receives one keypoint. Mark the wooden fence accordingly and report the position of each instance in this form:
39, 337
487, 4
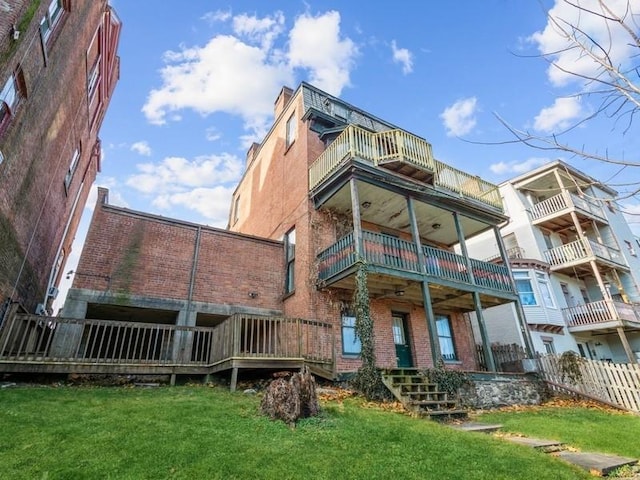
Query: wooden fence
613, 383
505, 356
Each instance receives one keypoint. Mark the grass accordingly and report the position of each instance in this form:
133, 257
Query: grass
201, 432
588, 429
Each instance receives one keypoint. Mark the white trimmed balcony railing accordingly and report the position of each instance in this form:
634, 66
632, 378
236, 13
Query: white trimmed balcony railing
562, 201
398, 145
582, 249
601, 312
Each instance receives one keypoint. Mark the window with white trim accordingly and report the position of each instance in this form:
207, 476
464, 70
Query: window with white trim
545, 292
10, 96
50, 19
290, 254
629, 246
525, 288
75, 159
350, 342
445, 338
290, 132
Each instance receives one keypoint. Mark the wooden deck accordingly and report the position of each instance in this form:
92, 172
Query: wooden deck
37, 344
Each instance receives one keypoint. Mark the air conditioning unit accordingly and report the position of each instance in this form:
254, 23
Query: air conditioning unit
41, 309
53, 292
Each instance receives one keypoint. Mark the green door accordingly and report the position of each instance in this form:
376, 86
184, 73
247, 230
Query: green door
401, 339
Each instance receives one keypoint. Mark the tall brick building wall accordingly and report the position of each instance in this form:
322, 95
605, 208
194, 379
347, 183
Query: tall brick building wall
56, 79
133, 260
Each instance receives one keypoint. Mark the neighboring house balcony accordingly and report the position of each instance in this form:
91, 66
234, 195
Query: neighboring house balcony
401, 157
604, 316
554, 213
577, 255
394, 270
513, 253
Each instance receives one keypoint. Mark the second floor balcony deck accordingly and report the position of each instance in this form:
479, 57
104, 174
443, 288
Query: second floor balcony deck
578, 254
602, 315
403, 153
399, 258
553, 212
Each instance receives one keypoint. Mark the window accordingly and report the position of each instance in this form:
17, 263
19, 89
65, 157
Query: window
350, 342
525, 289
50, 19
545, 293
548, 345
547, 240
75, 158
290, 256
10, 96
290, 134
92, 79
630, 247
445, 337
236, 209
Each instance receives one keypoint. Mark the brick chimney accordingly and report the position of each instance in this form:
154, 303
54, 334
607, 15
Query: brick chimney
283, 98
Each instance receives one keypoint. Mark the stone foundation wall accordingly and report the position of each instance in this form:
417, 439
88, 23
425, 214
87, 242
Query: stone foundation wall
493, 390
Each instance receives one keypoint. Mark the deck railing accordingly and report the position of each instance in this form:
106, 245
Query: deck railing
31, 338
393, 252
398, 145
582, 249
602, 311
564, 200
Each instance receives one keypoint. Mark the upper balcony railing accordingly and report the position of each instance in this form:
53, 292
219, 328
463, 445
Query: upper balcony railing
582, 249
388, 251
562, 201
398, 145
595, 314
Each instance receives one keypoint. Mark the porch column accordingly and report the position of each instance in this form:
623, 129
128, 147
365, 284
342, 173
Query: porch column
67, 336
357, 226
522, 319
463, 247
415, 233
436, 356
625, 344
488, 354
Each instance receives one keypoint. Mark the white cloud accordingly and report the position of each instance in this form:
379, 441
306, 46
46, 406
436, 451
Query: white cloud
611, 36
217, 16
503, 168
402, 56
212, 134
459, 119
559, 115
632, 215
177, 174
315, 44
241, 74
141, 148
211, 203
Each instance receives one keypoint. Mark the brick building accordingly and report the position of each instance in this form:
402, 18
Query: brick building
330, 190
58, 69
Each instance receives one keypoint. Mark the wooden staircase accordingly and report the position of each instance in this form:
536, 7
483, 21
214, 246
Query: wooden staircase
420, 396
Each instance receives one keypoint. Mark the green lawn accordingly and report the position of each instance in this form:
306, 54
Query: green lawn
202, 432
587, 429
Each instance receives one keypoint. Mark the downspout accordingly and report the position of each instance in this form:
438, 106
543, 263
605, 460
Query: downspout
194, 265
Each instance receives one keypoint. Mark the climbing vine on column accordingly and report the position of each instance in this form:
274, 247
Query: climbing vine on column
367, 380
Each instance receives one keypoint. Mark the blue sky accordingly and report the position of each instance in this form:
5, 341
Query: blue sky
198, 82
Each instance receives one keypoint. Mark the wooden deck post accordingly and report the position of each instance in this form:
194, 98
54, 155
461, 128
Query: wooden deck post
625, 344
234, 379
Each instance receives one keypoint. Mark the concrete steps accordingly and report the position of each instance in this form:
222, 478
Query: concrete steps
420, 396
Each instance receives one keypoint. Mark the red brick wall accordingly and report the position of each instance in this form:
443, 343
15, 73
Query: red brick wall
38, 144
131, 253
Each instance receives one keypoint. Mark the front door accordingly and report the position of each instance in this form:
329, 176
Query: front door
401, 339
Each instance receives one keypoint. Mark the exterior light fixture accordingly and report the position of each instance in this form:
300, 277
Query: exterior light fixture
366, 205
436, 226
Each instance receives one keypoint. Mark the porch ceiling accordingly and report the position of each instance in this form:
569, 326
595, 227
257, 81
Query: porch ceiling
98, 311
383, 207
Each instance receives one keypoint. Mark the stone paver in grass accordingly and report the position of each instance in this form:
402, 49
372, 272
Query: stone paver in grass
596, 462
476, 427
533, 442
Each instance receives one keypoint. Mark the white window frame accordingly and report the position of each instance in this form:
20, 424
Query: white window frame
523, 275
51, 18
290, 258
290, 130
73, 165
545, 290
447, 343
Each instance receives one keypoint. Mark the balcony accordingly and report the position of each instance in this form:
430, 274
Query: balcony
398, 259
402, 153
577, 255
602, 315
553, 212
